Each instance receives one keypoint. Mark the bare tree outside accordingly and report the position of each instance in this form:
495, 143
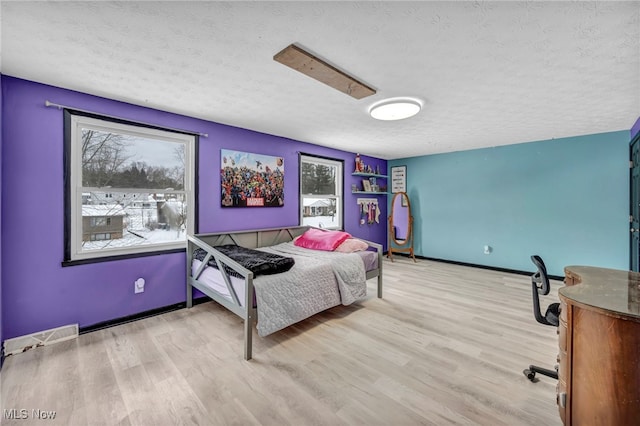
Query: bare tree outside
132, 180
102, 156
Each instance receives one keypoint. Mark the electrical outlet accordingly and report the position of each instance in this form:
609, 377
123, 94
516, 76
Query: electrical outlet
138, 286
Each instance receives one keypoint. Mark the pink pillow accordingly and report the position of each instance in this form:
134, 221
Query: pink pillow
318, 239
351, 245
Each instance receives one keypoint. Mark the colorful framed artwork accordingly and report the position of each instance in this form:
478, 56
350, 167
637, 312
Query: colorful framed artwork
251, 180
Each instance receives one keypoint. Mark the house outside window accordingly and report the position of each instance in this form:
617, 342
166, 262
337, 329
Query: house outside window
97, 221
130, 188
321, 192
102, 222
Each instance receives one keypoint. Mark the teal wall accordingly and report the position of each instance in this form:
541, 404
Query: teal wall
564, 199
1, 321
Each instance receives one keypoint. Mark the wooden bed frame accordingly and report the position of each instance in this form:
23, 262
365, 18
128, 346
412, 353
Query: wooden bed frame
249, 239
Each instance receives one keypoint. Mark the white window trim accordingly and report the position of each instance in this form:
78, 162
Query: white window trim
79, 122
339, 185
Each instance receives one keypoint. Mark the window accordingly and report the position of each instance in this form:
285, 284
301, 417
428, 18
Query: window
320, 192
129, 188
100, 221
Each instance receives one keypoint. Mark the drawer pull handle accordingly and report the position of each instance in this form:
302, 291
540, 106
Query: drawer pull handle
561, 399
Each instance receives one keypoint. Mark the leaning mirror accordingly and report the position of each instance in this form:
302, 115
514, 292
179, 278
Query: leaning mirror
400, 226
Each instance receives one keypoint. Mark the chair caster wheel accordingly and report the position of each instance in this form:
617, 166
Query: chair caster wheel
531, 375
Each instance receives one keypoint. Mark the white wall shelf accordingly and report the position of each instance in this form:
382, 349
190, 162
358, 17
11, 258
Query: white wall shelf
369, 192
369, 175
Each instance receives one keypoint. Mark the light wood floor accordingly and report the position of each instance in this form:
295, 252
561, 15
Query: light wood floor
446, 345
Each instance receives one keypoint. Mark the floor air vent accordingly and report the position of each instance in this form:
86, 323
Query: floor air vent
42, 338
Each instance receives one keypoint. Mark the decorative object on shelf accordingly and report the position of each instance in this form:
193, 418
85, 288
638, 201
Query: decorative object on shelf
398, 179
375, 185
358, 164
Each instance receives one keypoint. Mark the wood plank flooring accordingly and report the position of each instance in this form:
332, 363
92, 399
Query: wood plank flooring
445, 346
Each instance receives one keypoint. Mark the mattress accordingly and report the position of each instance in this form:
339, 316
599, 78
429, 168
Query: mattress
212, 278
370, 260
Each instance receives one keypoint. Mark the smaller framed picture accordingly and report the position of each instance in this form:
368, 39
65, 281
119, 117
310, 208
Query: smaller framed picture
354, 187
399, 179
366, 185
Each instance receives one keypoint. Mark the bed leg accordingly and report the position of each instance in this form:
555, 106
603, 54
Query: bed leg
248, 337
189, 272
249, 317
380, 263
189, 294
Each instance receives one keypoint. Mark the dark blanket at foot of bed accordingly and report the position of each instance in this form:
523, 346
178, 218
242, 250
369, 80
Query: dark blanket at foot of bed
258, 262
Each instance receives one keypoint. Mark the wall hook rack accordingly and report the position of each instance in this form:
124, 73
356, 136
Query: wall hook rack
369, 210
366, 201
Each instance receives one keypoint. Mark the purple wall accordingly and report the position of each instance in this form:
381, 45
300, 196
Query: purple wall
1, 310
635, 129
38, 293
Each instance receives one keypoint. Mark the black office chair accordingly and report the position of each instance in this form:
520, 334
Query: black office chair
540, 285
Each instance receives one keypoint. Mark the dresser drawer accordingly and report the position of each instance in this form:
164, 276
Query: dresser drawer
561, 400
562, 366
562, 336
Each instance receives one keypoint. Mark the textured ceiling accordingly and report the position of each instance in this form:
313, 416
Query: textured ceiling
488, 73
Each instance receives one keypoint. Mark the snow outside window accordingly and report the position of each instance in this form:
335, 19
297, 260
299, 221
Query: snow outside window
320, 192
130, 188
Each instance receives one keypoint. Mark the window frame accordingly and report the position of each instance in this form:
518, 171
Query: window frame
339, 196
74, 122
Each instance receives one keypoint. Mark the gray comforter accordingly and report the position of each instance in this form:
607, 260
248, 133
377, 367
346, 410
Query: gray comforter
319, 280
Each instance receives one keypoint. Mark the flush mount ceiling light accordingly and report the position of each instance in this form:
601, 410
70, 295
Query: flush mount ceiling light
395, 109
314, 67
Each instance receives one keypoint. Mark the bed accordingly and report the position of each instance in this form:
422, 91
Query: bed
317, 281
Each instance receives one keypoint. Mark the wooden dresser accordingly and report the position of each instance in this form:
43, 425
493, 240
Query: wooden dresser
599, 340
